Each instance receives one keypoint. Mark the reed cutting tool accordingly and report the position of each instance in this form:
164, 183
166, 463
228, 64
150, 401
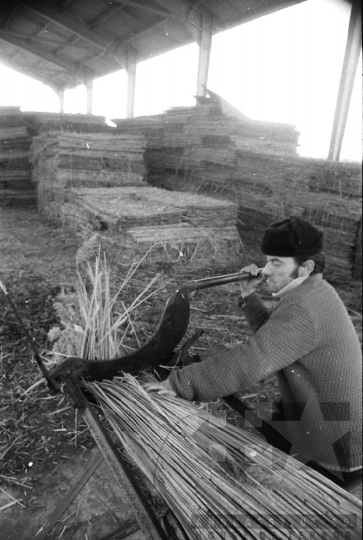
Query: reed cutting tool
160, 349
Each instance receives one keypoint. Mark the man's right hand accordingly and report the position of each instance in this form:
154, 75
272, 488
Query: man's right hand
248, 286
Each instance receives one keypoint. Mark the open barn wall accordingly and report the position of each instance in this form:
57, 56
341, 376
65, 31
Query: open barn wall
67, 43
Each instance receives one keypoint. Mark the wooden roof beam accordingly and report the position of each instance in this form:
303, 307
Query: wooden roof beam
9, 17
104, 15
131, 39
190, 17
68, 23
43, 75
73, 70
63, 4
144, 7
35, 38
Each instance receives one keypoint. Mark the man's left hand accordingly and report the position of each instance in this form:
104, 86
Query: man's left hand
162, 388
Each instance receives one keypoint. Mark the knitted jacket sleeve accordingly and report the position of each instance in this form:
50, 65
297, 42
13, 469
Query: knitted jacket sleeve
288, 335
254, 311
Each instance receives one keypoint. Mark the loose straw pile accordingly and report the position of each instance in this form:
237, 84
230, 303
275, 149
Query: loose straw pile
220, 481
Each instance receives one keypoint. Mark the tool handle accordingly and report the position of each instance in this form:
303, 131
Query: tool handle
199, 284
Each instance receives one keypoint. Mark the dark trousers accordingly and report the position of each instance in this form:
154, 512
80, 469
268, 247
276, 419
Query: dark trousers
341, 478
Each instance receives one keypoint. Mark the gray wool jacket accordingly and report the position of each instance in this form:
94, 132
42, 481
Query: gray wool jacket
310, 342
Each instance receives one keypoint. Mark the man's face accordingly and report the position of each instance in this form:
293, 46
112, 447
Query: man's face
280, 271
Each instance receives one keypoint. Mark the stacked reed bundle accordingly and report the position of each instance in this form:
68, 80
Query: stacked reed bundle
16, 135
199, 142
151, 127
220, 481
204, 141
63, 160
39, 122
208, 126
15, 169
175, 225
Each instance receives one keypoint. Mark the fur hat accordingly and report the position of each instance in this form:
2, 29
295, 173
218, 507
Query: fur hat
291, 237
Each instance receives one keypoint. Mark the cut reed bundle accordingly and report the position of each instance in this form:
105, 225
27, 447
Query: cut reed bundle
168, 225
94, 323
220, 481
14, 163
62, 160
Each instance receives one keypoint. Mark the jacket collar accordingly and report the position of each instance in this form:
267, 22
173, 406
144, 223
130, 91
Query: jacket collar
295, 283
292, 285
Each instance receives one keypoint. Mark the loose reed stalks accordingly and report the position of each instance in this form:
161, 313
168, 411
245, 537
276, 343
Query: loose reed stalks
206, 470
95, 323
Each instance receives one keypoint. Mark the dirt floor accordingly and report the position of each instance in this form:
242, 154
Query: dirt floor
44, 445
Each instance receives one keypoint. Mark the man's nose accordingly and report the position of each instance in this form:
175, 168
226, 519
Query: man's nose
266, 271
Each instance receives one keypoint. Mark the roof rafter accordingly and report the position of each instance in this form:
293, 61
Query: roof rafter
67, 66
190, 18
36, 38
43, 75
130, 39
68, 23
105, 14
107, 57
63, 4
132, 3
10, 16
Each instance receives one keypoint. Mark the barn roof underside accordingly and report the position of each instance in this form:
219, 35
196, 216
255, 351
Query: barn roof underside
64, 43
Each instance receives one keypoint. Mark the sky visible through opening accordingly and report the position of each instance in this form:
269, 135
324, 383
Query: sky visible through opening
284, 67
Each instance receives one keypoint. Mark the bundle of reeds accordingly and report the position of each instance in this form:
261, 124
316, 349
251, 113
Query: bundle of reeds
220, 481
15, 169
94, 322
200, 143
195, 227
40, 122
62, 160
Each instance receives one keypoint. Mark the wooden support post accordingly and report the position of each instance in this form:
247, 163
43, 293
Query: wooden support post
205, 45
89, 88
131, 81
61, 100
349, 70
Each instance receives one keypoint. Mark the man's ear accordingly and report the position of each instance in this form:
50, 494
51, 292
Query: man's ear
306, 268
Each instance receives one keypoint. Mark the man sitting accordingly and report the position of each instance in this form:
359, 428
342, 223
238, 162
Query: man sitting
308, 340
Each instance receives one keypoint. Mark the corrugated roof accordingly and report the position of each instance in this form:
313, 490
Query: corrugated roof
64, 43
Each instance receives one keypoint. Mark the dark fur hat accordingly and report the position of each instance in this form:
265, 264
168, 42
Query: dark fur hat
291, 237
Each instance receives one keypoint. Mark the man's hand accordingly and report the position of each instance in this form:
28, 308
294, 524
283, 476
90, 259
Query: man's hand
163, 387
248, 286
